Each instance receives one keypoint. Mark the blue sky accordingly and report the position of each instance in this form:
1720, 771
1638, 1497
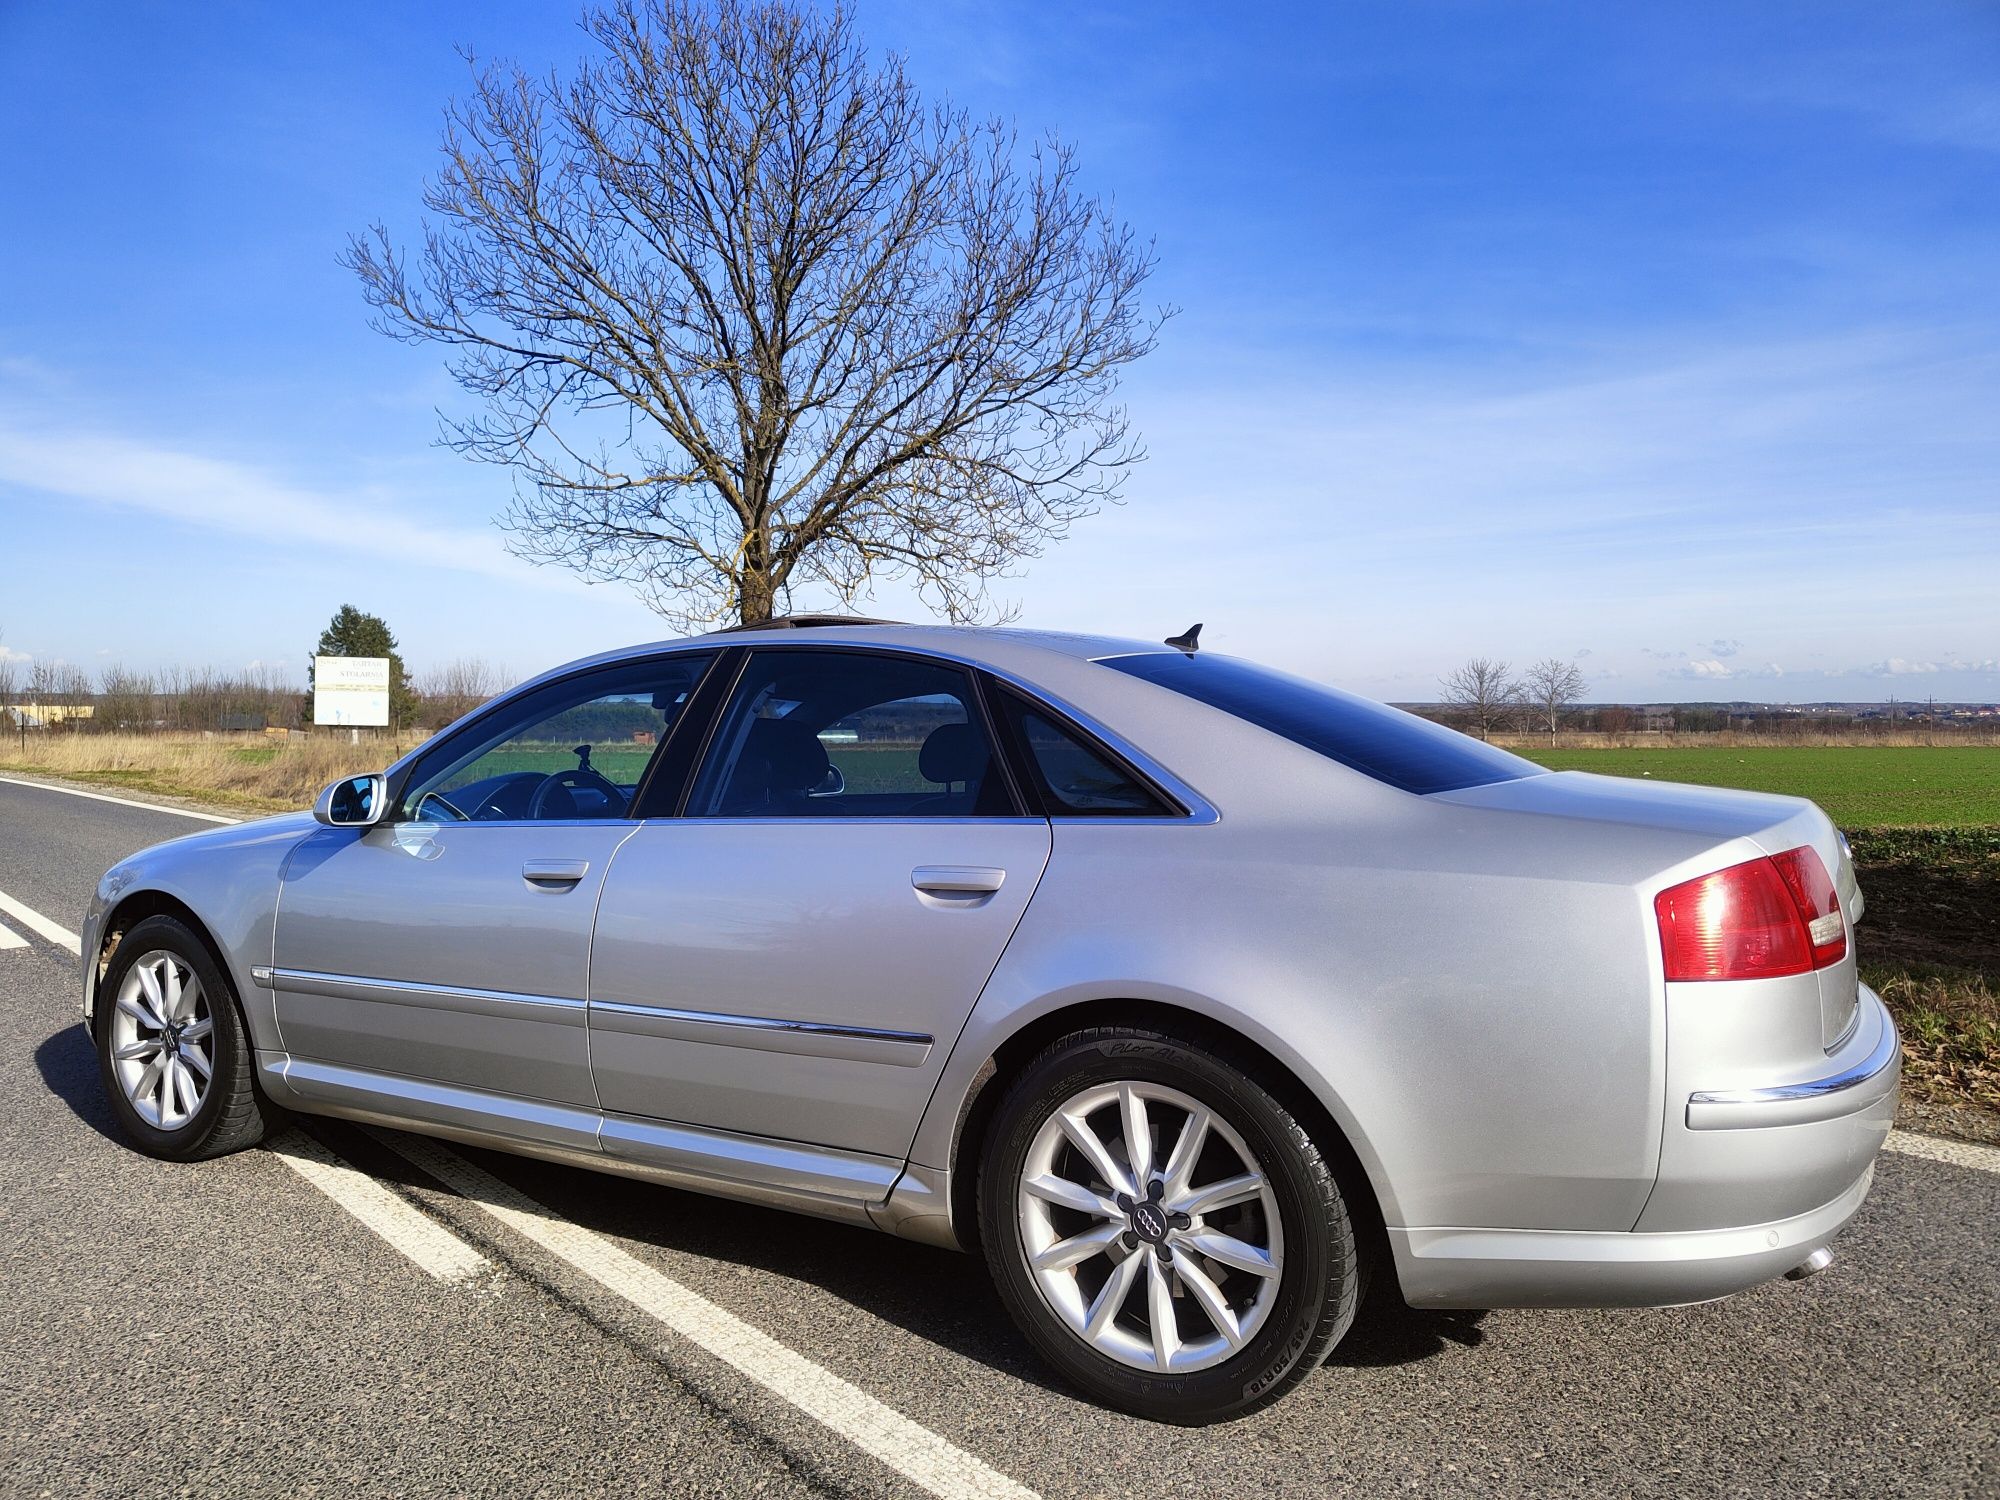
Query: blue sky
1662, 337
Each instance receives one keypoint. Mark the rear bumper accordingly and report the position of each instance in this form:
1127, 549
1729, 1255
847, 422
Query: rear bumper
1752, 1181
1569, 1268
1851, 1089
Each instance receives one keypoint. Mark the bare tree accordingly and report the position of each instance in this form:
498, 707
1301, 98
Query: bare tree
124, 701
1482, 694
448, 692
746, 314
1552, 688
40, 691
8, 679
72, 695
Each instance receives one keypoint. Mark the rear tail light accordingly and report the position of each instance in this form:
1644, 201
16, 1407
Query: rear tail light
1759, 920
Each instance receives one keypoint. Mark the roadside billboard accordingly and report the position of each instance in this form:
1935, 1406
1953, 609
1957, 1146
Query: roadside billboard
351, 691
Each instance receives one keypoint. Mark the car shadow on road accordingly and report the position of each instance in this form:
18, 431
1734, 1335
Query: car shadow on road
944, 1298
68, 1065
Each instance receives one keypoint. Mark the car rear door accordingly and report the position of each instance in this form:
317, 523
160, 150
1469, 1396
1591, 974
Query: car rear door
794, 954
452, 944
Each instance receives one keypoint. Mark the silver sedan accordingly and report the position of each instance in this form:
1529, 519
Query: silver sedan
1190, 994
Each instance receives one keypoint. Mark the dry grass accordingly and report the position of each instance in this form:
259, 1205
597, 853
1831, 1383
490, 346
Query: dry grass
1930, 945
250, 772
1951, 1034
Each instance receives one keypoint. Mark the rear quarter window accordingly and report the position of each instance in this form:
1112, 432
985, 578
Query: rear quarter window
1379, 741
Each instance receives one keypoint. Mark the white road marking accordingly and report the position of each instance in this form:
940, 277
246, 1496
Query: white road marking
432, 1246
1936, 1148
35, 922
913, 1451
10, 938
70, 791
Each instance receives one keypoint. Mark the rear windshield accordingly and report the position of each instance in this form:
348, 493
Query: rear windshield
1385, 743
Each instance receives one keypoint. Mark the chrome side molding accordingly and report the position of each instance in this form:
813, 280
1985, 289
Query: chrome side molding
896, 1049
553, 1009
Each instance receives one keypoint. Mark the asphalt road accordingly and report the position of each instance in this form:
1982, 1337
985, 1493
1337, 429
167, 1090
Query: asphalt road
230, 1328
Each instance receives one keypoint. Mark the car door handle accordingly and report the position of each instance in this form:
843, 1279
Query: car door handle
956, 880
555, 874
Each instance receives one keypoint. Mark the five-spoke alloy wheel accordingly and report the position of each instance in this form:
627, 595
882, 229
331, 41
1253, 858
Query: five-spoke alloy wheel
1164, 1230
172, 1047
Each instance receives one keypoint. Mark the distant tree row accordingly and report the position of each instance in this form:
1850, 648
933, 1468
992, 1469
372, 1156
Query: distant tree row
1486, 697
120, 700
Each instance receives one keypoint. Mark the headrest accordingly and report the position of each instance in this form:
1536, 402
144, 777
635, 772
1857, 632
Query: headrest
952, 752
796, 757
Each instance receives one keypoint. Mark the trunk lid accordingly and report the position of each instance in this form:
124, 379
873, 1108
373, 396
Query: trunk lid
1734, 825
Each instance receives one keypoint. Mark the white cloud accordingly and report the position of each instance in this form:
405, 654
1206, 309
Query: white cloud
1724, 648
1896, 666
121, 473
1709, 669
9, 654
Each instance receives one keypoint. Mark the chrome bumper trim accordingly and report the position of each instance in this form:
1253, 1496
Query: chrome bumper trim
1800, 1103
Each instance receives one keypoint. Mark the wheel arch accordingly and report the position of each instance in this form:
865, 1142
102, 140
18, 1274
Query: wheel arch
134, 907
989, 1085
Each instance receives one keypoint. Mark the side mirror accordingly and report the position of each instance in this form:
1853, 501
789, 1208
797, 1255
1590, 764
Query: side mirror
831, 785
356, 802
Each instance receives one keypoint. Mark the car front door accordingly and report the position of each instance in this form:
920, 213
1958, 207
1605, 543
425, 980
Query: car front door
451, 944
795, 954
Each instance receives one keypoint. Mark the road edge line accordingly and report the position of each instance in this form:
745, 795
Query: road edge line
36, 923
422, 1240
70, 791
1939, 1148
912, 1450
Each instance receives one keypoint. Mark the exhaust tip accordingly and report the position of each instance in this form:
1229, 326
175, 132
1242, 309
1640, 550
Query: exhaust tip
1812, 1265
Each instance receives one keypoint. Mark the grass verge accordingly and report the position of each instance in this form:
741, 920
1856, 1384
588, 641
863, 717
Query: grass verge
244, 773
1930, 946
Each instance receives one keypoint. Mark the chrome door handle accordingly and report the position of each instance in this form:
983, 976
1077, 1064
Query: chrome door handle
957, 880
554, 874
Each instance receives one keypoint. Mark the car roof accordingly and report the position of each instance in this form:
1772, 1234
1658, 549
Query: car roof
1001, 646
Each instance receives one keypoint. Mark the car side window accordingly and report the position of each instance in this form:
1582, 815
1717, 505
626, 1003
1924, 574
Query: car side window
572, 751
841, 734
1076, 777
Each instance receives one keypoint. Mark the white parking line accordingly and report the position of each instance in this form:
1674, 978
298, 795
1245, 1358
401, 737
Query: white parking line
1936, 1148
70, 791
433, 1247
10, 938
913, 1451
35, 922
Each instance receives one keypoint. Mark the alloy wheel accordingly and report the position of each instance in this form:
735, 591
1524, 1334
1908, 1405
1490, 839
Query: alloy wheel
1149, 1227
163, 1040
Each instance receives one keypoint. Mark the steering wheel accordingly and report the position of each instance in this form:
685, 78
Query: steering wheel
567, 782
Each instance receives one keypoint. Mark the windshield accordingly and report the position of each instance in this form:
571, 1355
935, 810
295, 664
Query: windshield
1385, 743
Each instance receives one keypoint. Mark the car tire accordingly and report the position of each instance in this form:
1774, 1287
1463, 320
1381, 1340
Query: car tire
1237, 1333
166, 1011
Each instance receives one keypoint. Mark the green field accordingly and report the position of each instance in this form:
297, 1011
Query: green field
1860, 786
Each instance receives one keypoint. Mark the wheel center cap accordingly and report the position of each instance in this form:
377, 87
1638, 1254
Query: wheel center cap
1149, 1221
